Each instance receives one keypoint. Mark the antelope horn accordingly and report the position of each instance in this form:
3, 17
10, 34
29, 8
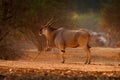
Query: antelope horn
49, 22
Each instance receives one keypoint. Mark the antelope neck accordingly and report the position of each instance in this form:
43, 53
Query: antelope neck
50, 35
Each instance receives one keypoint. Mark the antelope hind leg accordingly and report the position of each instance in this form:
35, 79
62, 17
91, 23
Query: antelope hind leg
62, 55
88, 57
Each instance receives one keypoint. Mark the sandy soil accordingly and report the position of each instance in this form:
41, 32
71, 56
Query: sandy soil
46, 65
107, 56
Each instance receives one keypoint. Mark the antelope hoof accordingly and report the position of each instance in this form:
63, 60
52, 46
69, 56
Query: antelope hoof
87, 62
48, 49
63, 61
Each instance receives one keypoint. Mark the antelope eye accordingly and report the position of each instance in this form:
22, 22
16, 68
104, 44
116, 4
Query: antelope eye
40, 30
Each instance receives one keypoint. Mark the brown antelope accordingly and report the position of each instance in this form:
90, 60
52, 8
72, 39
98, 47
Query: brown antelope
63, 38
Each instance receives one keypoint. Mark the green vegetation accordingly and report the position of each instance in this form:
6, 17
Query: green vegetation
88, 20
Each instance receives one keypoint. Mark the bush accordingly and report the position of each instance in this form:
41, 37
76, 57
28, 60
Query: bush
9, 53
9, 49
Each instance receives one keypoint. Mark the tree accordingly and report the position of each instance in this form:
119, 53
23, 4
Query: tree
24, 17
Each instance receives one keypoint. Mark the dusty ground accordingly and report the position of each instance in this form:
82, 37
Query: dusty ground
46, 66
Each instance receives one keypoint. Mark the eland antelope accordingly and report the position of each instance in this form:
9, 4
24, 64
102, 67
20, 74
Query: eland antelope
62, 38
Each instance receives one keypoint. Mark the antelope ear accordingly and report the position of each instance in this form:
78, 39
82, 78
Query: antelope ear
41, 28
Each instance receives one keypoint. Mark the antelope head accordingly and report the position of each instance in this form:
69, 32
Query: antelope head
44, 28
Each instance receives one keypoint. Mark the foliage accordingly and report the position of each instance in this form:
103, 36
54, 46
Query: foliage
111, 16
88, 20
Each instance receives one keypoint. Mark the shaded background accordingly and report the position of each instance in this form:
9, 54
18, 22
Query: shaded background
20, 21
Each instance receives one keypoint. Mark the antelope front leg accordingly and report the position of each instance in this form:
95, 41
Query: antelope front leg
48, 48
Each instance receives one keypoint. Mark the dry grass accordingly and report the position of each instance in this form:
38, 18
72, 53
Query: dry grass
77, 55
105, 66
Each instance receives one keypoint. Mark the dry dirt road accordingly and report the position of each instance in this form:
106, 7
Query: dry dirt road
105, 66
